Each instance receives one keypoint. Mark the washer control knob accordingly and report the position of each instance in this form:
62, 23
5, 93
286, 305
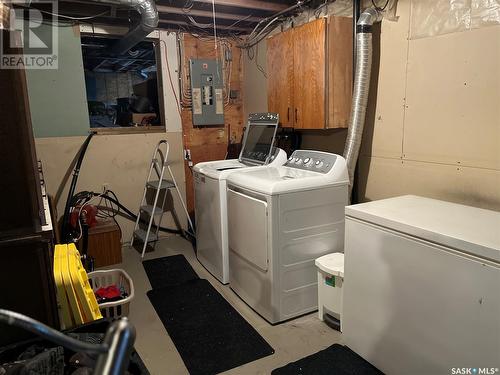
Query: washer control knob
290, 158
307, 160
298, 160
319, 164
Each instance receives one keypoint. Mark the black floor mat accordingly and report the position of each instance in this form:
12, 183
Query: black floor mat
210, 335
169, 271
334, 360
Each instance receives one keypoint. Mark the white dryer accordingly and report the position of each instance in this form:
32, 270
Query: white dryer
210, 190
281, 220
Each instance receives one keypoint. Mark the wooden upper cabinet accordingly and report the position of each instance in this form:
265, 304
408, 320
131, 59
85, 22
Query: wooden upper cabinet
280, 76
310, 74
339, 72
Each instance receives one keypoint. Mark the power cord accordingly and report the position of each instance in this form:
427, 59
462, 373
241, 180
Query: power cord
379, 8
111, 208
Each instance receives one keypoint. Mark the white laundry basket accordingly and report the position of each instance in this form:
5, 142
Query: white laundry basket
118, 277
330, 281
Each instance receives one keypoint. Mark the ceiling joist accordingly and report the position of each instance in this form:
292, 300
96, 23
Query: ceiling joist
205, 13
248, 4
164, 24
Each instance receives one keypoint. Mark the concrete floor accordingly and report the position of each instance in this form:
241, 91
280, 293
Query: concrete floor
291, 340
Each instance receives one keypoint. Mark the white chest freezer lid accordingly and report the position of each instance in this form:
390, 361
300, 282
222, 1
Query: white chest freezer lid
468, 229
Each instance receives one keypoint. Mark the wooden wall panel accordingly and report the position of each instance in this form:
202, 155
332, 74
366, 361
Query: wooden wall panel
210, 142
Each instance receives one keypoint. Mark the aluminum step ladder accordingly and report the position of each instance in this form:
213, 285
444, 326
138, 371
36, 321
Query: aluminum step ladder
160, 165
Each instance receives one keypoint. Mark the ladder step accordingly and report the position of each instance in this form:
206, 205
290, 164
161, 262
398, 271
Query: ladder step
151, 211
165, 184
141, 234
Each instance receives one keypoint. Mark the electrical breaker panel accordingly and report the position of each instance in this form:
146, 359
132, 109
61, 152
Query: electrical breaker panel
206, 92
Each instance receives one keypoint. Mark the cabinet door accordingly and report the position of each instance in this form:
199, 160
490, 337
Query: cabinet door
309, 75
339, 51
280, 76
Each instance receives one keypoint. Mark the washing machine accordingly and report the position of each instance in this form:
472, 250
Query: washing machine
210, 190
283, 218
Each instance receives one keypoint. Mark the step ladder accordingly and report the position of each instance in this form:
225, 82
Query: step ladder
160, 165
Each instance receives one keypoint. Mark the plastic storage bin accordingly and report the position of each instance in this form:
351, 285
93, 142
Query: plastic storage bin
330, 281
120, 278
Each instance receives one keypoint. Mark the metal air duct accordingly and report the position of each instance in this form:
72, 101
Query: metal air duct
149, 22
361, 88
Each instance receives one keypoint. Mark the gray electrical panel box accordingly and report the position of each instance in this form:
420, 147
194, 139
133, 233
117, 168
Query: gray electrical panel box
206, 92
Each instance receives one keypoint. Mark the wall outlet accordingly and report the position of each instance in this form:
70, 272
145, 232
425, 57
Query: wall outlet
187, 154
106, 186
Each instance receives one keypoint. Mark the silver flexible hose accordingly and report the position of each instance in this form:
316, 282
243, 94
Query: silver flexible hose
149, 22
361, 90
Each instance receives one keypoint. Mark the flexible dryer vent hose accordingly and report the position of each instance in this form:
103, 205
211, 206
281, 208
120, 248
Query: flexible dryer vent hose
361, 89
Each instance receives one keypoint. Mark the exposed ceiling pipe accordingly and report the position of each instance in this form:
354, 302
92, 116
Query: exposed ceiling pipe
148, 23
364, 50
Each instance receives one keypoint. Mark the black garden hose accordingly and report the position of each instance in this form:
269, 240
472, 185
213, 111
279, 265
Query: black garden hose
65, 232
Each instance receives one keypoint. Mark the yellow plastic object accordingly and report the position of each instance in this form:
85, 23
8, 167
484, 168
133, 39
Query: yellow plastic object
69, 292
65, 316
85, 294
76, 300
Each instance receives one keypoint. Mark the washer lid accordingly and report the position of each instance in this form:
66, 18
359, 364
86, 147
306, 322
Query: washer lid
214, 168
471, 230
220, 169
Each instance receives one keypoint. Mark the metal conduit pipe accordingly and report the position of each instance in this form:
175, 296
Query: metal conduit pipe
149, 22
361, 89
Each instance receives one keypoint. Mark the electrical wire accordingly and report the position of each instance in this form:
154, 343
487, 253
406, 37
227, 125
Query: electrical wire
84, 197
379, 8
177, 103
80, 213
200, 25
215, 27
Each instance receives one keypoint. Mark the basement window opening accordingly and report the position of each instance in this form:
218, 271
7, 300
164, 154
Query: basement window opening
122, 90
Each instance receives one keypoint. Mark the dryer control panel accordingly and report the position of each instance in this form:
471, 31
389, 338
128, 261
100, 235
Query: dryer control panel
314, 161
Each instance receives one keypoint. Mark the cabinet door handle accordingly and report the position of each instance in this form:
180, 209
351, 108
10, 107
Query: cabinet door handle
296, 116
288, 115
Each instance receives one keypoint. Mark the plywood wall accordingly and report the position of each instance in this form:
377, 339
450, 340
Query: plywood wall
210, 143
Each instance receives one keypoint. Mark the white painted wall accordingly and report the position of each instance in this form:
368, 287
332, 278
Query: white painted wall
254, 81
120, 160
437, 117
